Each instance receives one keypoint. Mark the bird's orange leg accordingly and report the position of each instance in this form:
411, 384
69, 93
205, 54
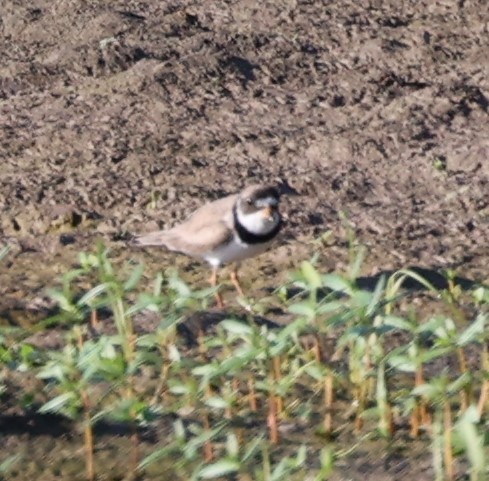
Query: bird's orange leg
235, 280
213, 281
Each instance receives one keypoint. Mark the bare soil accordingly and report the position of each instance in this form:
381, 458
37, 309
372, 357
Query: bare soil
123, 116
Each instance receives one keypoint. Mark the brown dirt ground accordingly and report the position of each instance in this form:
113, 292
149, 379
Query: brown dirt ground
123, 116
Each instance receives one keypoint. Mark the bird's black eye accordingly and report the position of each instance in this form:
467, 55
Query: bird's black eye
249, 201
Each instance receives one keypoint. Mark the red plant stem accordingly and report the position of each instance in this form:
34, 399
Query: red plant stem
272, 419
414, 421
208, 448
424, 417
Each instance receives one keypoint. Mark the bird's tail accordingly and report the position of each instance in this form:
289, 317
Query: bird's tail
159, 238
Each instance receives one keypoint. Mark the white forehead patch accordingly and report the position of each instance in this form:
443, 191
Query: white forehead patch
267, 201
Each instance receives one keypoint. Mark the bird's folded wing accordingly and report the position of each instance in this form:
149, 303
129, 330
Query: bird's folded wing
193, 240
201, 240
206, 229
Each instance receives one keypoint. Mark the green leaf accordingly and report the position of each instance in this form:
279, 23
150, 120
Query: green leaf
459, 383
303, 309
232, 444
206, 370
216, 402
236, 327
402, 363
472, 441
376, 296
361, 299
57, 404
63, 301
252, 448
330, 306
53, 371
473, 331
7, 464
294, 328
337, 283
182, 289
316, 371
356, 265
311, 275
158, 284
481, 295
398, 323
134, 278
428, 390
221, 468
86, 299
434, 353
180, 389
158, 456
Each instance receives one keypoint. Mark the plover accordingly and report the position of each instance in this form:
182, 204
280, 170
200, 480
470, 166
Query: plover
227, 230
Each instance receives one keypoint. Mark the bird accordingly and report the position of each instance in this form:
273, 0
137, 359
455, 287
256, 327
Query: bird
227, 230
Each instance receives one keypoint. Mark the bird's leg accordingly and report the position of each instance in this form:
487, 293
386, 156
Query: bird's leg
235, 280
213, 281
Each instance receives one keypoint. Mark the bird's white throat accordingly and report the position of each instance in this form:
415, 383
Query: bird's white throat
257, 224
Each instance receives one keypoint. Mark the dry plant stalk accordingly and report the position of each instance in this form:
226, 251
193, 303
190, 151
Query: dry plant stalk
316, 349
252, 400
161, 391
484, 394
447, 452
94, 319
328, 388
328, 402
360, 405
87, 424
201, 342
88, 437
483, 398
135, 450
465, 393
419, 416
390, 420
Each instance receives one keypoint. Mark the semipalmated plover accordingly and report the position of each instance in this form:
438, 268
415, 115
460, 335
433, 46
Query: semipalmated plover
227, 230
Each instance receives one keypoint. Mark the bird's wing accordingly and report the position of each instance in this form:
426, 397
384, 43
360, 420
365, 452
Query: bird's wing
207, 228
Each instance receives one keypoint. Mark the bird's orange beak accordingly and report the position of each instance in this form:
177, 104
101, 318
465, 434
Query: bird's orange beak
267, 213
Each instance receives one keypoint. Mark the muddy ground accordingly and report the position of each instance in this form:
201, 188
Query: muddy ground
123, 116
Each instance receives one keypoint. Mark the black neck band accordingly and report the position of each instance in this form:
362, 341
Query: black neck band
248, 237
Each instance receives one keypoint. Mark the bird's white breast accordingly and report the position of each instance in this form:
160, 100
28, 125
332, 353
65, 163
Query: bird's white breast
234, 251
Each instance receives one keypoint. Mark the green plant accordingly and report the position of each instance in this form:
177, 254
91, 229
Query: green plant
242, 384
